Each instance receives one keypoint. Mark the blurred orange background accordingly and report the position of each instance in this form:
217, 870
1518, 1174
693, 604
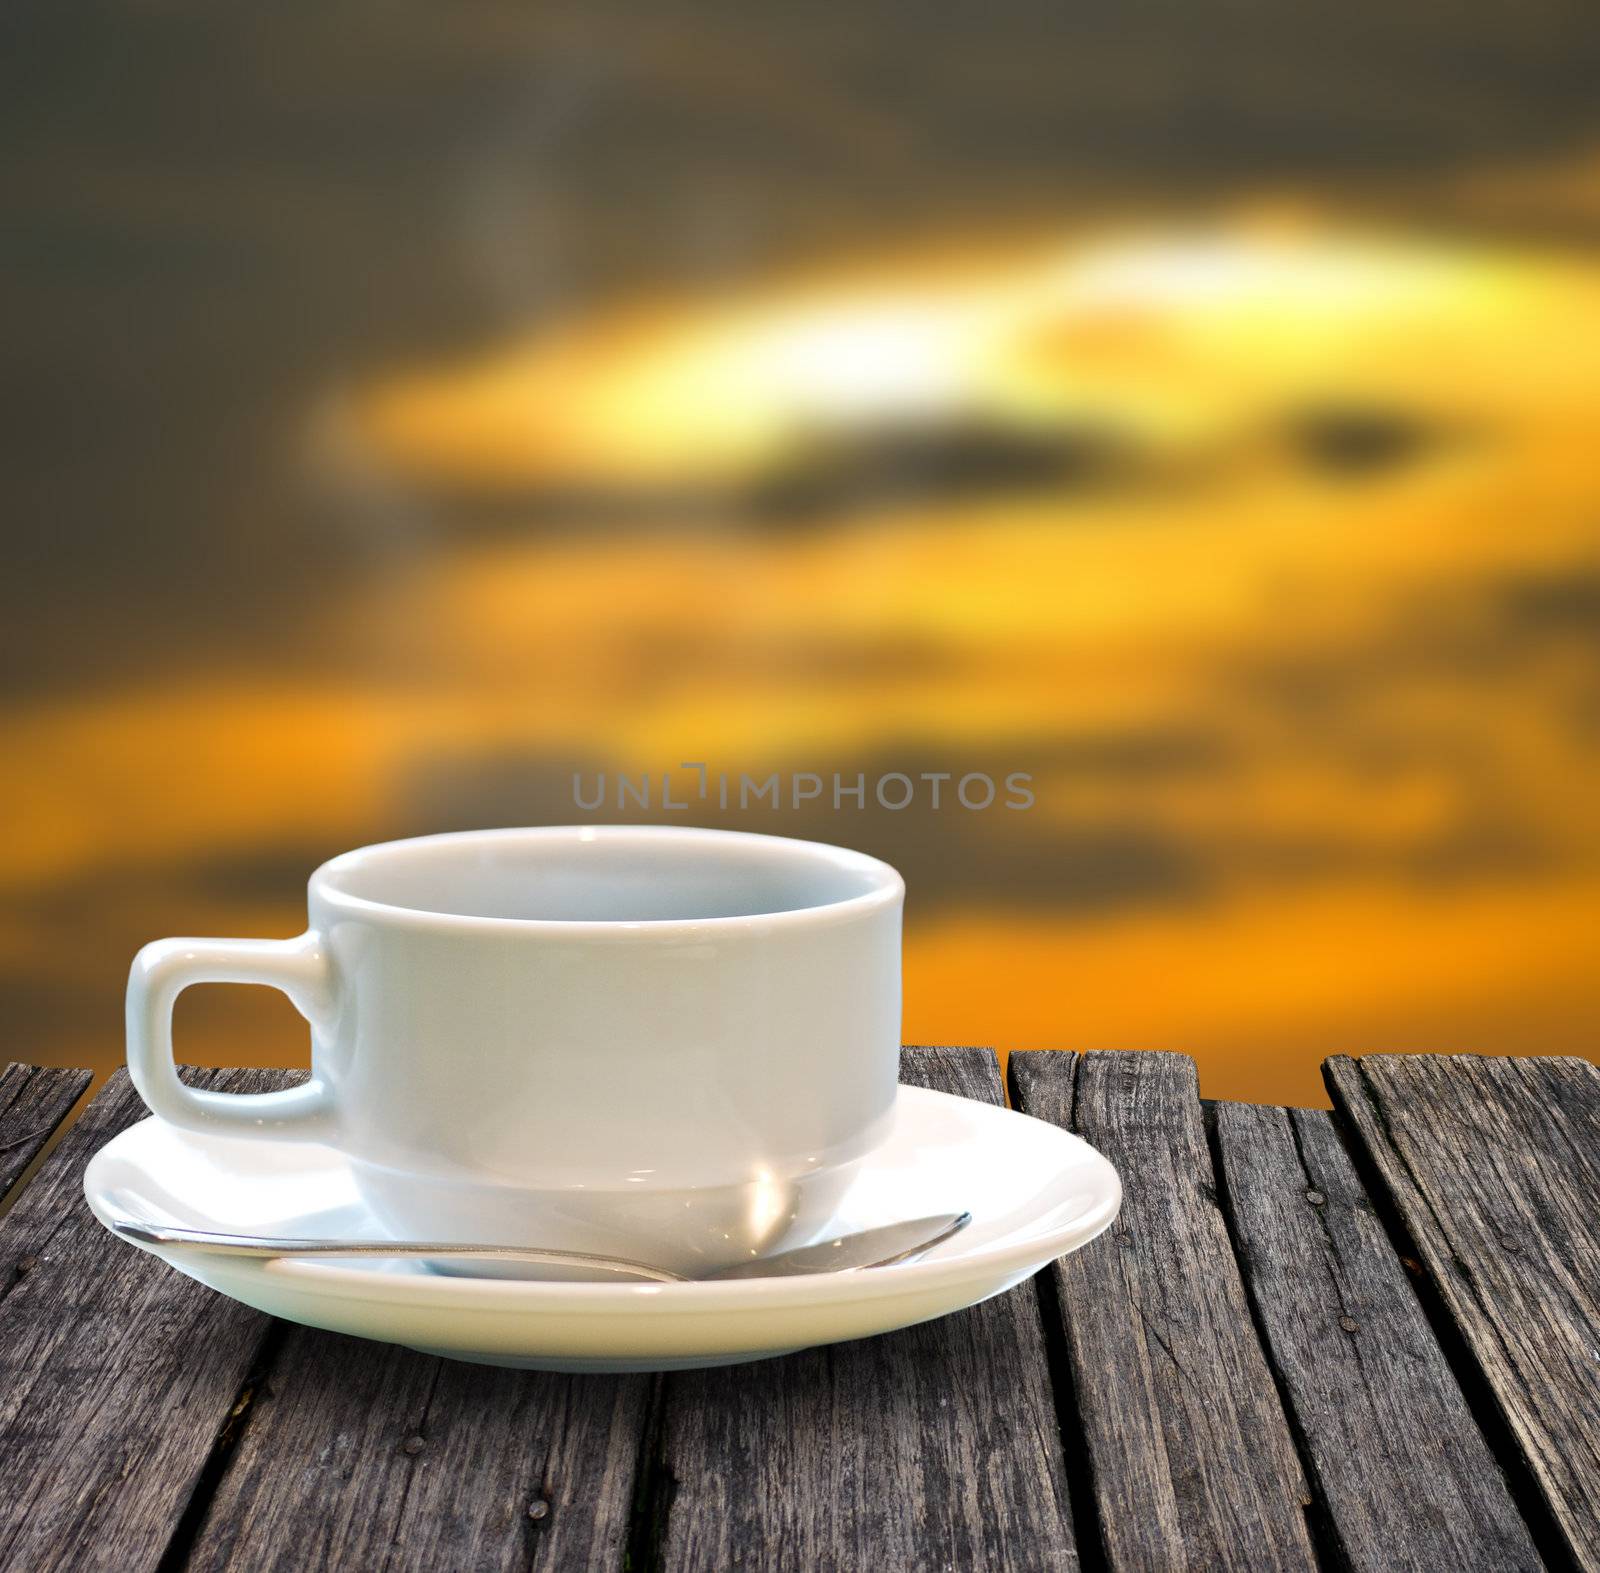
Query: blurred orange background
415, 411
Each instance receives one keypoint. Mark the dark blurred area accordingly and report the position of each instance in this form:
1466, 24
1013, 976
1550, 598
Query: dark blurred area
411, 408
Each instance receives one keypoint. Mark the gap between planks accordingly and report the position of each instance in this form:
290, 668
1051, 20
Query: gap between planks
37, 1104
1484, 1170
1187, 1451
1400, 1466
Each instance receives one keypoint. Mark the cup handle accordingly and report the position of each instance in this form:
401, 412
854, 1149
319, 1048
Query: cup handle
164, 969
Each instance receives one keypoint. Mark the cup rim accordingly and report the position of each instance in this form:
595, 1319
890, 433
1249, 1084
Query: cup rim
888, 887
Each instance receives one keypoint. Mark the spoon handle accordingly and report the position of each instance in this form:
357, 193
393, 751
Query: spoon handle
260, 1246
882, 1246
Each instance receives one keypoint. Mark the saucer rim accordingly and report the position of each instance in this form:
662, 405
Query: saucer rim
1013, 1251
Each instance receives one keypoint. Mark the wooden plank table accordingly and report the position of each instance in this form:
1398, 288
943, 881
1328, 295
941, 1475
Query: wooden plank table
1365, 1339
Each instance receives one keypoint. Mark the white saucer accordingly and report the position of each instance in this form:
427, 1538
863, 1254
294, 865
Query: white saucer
1035, 1192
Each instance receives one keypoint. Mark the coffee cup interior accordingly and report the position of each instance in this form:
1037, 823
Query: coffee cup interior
606, 877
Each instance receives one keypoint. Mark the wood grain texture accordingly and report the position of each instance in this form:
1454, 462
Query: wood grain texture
1192, 1461
116, 1373
362, 1455
935, 1447
1493, 1167
1403, 1474
34, 1100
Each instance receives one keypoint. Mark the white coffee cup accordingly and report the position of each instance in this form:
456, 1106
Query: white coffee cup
644, 1040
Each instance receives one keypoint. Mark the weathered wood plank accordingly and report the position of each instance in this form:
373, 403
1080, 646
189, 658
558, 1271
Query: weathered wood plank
115, 1372
1403, 1474
936, 1447
34, 1100
1192, 1459
362, 1455
1493, 1166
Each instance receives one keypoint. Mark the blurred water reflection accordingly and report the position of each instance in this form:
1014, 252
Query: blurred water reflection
411, 412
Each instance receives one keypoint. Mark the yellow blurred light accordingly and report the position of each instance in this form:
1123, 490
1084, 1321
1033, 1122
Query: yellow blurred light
1171, 330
